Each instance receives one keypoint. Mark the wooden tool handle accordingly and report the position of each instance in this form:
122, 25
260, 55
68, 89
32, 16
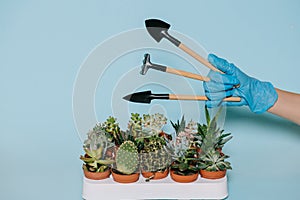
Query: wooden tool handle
198, 57
199, 98
187, 74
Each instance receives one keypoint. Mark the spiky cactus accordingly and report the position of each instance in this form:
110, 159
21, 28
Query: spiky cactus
127, 158
154, 156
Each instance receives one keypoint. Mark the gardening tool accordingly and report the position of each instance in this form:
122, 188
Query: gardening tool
147, 96
159, 29
147, 65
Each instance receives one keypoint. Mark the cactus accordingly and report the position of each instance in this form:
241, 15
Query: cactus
127, 159
154, 156
113, 129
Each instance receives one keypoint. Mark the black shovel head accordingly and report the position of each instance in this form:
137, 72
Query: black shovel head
139, 97
155, 27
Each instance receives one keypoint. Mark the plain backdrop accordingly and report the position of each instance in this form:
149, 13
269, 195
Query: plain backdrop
44, 43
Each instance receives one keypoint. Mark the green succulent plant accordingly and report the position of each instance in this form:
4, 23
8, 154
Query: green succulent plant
95, 147
127, 158
209, 135
113, 131
135, 124
146, 125
97, 137
186, 164
179, 126
214, 161
93, 160
184, 151
154, 156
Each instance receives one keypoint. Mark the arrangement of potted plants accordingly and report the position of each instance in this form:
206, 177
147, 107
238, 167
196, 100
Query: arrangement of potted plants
144, 148
96, 164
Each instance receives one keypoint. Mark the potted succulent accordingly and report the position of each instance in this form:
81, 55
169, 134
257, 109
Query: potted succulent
185, 167
152, 145
127, 161
125, 153
96, 164
213, 165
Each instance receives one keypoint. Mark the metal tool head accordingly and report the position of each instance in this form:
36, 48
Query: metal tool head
156, 28
139, 97
146, 64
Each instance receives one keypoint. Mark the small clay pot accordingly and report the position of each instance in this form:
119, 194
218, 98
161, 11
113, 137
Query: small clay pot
124, 178
183, 179
156, 175
212, 175
97, 175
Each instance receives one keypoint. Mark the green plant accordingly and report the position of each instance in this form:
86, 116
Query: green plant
127, 158
93, 161
209, 135
186, 164
146, 125
97, 137
214, 161
154, 156
95, 147
179, 126
184, 151
113, 131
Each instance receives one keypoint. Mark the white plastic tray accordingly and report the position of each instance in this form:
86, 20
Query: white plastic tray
155, 189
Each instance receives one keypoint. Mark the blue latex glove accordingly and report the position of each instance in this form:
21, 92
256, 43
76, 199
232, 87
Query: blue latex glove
258, 95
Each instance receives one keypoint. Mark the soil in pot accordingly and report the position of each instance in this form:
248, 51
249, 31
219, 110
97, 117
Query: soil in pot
156, 175
191, 177
97, 175
212, 175
124, 178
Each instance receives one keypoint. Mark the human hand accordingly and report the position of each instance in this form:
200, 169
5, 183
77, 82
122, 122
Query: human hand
258, 95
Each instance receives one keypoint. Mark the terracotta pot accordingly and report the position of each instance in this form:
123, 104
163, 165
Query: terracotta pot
157, 175
183, 179
97, 175
212, 175
125, 178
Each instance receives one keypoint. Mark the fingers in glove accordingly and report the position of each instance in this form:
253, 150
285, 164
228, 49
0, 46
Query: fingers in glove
217, 96
223, 78
216, 87
221, 64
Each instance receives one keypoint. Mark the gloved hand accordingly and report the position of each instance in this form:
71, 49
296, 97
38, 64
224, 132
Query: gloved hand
258, 95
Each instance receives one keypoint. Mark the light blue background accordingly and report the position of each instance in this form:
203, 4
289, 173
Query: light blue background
43, 43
